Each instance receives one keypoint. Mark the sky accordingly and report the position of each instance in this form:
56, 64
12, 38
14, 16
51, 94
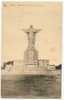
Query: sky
44, 16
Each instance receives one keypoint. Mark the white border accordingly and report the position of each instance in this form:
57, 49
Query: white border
63, 53
62, 40
34, 0
0, 47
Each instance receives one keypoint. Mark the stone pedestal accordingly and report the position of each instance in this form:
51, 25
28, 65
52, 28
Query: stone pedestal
31, 57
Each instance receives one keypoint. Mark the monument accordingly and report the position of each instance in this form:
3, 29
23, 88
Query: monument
31, 64
31, 54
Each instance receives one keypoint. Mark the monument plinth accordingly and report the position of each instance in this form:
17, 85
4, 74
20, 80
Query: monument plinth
31, 54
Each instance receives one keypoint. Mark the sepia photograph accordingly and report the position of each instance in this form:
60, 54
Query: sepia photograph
31, 50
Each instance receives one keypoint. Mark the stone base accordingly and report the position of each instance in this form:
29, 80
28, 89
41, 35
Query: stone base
31, 57
19, 68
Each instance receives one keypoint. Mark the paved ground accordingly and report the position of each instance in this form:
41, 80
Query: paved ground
33, 86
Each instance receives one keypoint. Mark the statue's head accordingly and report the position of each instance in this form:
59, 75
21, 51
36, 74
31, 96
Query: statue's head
31, 26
